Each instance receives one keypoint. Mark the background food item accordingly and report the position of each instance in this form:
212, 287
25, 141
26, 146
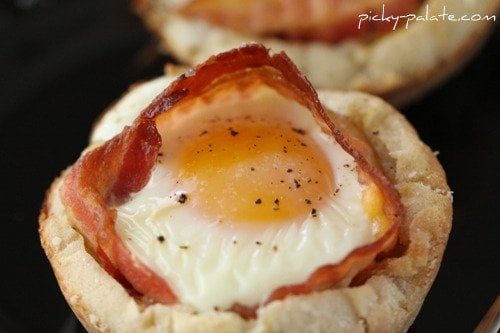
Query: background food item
398, 66
388, 300
83, 54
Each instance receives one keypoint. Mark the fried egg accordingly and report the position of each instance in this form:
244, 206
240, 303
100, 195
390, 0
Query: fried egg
250, 193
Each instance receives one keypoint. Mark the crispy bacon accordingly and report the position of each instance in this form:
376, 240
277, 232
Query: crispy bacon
107, 175
104, 177
324, 20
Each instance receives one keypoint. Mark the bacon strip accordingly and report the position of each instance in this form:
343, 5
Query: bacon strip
107, 175
323, 20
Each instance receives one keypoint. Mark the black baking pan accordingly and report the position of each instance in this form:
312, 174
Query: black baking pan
63, 62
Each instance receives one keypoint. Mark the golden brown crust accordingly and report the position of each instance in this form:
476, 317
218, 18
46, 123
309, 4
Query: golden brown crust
387, 302
399, 66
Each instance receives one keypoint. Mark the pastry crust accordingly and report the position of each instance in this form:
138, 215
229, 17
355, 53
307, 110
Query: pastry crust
387, 302
399, 66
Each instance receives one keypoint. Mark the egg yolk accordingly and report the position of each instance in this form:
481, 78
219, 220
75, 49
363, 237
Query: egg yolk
373, 204
255, 172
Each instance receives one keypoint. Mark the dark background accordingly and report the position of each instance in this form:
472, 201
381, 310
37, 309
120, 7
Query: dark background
63, 62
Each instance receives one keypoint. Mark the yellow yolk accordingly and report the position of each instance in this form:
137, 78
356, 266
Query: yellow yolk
373, 204
255, 172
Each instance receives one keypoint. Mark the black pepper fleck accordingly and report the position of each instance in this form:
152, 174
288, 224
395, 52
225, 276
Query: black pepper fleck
299, 131
183, 247
233, 132
276, 204
289, 170
258, 201
308, 201
314, 213
182, 198
375, 132
258, 243
160, 238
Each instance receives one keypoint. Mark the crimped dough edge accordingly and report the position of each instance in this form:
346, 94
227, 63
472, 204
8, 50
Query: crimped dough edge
388, 301
399, 66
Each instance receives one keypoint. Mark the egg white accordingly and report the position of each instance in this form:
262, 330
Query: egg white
209, 264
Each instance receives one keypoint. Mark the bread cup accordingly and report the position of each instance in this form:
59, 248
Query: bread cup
386, 299
397, 65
